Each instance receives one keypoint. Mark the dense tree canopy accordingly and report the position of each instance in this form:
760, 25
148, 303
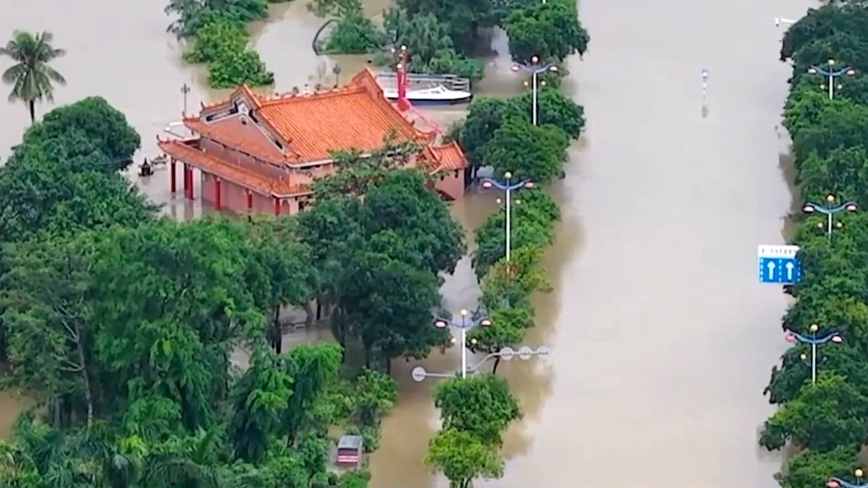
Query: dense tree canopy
125, 327
826, 421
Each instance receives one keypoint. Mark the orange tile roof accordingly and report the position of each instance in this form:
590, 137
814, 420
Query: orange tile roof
235, 174
450, 156
357, 116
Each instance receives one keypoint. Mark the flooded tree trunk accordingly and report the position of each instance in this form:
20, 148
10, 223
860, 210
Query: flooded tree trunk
310, 315
496, 364
85, 379
275, 332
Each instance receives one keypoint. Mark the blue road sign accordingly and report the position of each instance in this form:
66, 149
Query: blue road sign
779, 264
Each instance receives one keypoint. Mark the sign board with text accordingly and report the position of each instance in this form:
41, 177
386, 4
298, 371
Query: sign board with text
778, 264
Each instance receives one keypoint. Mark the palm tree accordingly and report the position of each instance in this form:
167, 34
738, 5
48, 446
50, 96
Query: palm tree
31, 77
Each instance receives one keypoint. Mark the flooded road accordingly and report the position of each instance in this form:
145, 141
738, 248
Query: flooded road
662, 338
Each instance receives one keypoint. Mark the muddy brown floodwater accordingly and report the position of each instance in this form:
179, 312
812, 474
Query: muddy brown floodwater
662, 340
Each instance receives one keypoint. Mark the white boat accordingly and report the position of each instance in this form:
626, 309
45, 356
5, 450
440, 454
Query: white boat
437, 95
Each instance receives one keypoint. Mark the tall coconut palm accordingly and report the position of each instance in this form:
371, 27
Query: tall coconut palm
31, 77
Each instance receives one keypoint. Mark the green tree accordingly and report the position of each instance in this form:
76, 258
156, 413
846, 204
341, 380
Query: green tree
507, 328
839, 173
844, 124
528, 151
312, 368
462, 457
480, 405
484, 117
281, 268
462, 19
173, 309
354, 34
546, 30
87, 126
259, 400
31, 77
49, 324
821, 418
387, 304
532, 227
808, 469
428, 40
795, 371
192, 15
554, 108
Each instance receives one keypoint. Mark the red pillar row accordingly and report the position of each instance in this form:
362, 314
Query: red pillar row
218, 193
173, 176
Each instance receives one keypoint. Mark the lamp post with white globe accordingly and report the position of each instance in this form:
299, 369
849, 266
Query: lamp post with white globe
830, 209
813, 340
507, 186
535, 68
839, 483
831, 72
464, 324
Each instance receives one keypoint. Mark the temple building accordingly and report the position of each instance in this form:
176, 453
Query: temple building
258, 153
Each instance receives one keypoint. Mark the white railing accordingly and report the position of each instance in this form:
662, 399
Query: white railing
419, 81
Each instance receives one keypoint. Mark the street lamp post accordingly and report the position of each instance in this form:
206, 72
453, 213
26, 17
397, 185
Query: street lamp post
466, 323
535, 69
839, 483
505, 353
814, 341
507, 186
832, 74
829, 209
185, 90
781, 20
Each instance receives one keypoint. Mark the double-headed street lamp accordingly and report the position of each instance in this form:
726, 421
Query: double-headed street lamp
831, 72
829, 209
814, 341
839, 483
505, 353
535, 69
463, 325
507, 186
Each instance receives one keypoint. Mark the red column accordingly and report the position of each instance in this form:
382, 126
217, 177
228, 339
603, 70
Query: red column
173, 177
276, 206
189, 177
403, 103
249, 201
218, 193
186, 179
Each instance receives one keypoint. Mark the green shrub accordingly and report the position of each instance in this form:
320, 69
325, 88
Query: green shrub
215, 40
239, 68
222, 44
354, 34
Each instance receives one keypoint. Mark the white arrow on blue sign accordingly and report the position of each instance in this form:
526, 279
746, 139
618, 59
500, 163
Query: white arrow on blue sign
779, 264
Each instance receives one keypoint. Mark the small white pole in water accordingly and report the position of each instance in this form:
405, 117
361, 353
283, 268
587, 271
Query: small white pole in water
704, 84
